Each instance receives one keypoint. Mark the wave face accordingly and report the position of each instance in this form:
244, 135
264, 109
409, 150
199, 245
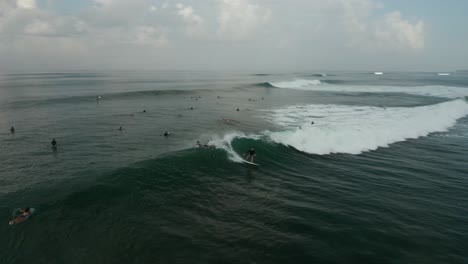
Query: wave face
296, 84
316, 85
356, 129
226, 141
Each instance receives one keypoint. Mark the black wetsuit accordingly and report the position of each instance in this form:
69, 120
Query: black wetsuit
251, 152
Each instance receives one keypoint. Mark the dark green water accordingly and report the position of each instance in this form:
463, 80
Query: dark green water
380, 177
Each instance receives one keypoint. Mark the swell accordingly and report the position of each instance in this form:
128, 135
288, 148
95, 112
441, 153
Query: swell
52, 75
92, 98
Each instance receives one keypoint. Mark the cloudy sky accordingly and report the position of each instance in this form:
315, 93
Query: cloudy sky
253, 35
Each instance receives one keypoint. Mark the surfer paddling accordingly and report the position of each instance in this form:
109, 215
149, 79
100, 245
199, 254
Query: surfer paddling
250, 155
25, 213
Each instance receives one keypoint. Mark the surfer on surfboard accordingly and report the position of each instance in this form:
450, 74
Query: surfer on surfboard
250, 155
25, 213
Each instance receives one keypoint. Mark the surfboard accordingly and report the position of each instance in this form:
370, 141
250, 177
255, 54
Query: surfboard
15, 221
251, 163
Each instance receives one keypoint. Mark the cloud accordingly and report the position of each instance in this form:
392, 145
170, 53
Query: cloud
193, 21
109, 23
239, 19
399, 33
150, 36
103, 2
389, 32
23, 17
26, 4
318, 33
38, 27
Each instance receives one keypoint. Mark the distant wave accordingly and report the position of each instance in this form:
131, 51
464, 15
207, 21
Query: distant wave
265, 84
319, 75
92, 98
261, 74
301, 84
356, 129
316, 85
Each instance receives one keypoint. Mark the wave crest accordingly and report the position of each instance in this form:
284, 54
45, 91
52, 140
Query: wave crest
296, 84
356, 129
316, 85
225, 143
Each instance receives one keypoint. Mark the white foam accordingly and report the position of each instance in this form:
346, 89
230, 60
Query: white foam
443, 74
315, 85
298, 83
378, 73
356, 129
225, 141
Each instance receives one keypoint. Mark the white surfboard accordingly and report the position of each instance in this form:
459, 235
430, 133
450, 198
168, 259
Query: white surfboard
251, 163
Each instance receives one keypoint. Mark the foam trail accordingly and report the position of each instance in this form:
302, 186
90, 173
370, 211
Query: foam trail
356, 129
316, 85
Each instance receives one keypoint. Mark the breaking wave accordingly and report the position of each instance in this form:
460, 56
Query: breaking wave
345, 129
356, 129
316, 85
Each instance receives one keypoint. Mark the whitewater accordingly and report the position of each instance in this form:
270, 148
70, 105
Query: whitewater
426, 90
356, 129
330, 129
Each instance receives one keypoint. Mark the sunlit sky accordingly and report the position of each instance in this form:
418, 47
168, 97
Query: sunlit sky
233, 35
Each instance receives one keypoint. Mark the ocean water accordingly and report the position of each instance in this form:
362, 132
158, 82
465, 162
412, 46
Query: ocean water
380, 176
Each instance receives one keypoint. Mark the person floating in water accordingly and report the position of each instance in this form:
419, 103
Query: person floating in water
120, 128
12, 129
54, 143
166, 133
25, 212
144, 110
250, 155
312, 123
237, 110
